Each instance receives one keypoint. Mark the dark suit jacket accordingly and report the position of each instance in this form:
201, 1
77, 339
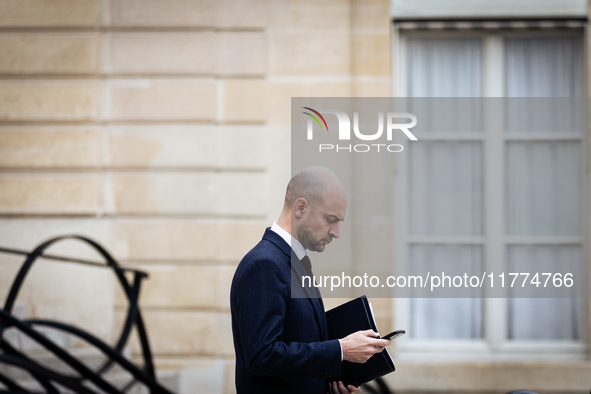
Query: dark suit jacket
281, 342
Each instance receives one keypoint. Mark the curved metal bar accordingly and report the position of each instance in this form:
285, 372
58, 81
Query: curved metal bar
124, 336
10, 384
108, 351
147, 353
37, 252
66, 259
60, 353
30, 366
43, 381
20, 392
133, 315
18, 281
129, 385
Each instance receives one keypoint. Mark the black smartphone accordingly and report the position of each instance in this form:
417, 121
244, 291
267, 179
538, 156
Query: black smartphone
394, 334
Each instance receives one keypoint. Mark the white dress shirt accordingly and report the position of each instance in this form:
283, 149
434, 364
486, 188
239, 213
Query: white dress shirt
297, 247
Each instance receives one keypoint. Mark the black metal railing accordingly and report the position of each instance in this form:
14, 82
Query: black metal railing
85, 379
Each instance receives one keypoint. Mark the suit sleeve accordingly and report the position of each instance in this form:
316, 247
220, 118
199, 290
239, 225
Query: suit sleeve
262, 297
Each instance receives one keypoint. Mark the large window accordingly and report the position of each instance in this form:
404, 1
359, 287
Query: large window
511, 200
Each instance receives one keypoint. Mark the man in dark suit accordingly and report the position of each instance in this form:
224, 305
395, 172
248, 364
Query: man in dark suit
281, 342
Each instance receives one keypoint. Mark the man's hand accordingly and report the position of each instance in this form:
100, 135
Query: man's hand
339, 388
361, 345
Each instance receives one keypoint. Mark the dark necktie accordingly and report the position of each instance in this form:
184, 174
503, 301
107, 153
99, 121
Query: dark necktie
308, 266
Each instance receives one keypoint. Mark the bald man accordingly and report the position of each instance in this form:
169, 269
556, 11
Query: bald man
281, 342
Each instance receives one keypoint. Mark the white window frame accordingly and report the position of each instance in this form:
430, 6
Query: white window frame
493, 345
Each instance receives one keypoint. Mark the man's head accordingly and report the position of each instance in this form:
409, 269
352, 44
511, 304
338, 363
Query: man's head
316, 203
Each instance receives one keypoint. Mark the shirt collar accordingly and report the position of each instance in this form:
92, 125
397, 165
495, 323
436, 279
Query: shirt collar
296, 246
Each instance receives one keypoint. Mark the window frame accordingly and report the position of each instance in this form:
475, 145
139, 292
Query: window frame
494, 345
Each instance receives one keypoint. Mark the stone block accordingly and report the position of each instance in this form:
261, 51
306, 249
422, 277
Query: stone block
492, 377
73, 294
26, 233
173, 286
186, 333
238, 237
10, 267
320, 15
244, 101
207, 373
242, 147
279, 100
165, 240
163, 13
310, 54
372, 88
189, 362
49, 53
164, 193
49, 101
280, 15
329, 89
242, 53
371, 54
50, 146
241, 194
55, 13
208, 377
162, 146
190, 99
371, 14
242, 14
230, 378
163, 52
59, 290
50, 194
224, 283
313, 3
279, 173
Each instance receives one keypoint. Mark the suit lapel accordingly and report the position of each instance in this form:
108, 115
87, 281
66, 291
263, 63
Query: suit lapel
311, 293
297, 271
324, 326
276, 239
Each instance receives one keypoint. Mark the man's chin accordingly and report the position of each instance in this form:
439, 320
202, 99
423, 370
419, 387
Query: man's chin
318, 248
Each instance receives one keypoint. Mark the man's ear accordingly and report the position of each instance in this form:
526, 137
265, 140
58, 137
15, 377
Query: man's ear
300, 207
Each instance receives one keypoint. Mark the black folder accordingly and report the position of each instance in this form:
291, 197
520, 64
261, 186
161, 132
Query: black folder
346, 319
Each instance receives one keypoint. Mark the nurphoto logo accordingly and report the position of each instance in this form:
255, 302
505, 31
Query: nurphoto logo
344, 131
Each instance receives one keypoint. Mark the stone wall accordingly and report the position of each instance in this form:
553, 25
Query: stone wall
161, 129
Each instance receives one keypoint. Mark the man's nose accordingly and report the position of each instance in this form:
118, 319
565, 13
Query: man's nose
334, 230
